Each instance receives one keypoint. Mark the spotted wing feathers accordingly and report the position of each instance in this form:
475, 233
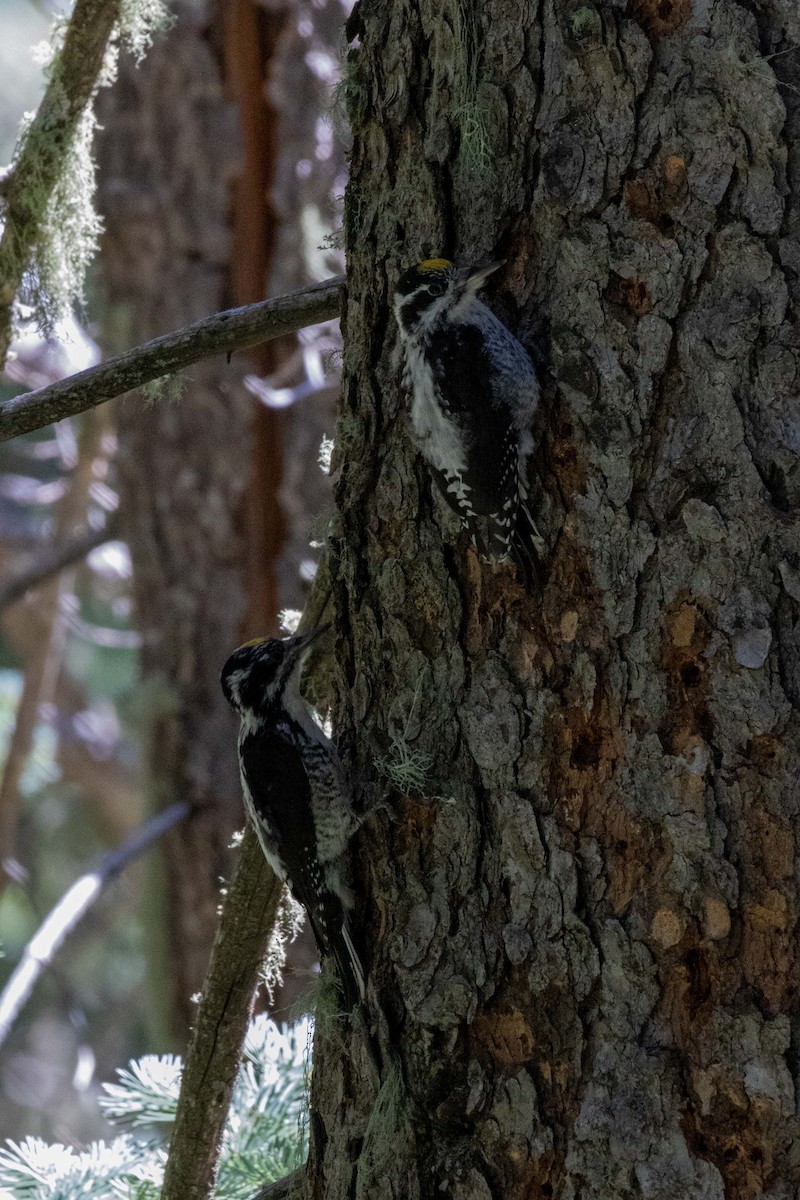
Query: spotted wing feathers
278, 794
486, 494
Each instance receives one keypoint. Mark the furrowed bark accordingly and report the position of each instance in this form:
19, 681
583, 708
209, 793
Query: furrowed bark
583, 935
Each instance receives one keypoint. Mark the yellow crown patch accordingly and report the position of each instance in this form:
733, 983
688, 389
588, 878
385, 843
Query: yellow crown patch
435, 264
253, 642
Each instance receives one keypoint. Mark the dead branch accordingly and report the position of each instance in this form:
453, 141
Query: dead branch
215, 1050
283, 1189
54, 560
223, 333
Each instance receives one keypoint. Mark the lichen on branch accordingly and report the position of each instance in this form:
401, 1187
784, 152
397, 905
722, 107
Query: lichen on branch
50, 227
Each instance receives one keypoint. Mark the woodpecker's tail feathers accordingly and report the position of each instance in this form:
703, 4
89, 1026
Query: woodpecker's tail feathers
527, 534
351, 972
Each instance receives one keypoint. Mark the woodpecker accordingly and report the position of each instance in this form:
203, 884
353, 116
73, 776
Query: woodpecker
295, 792
474, 396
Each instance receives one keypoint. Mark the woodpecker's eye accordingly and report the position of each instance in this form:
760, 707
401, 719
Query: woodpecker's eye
437, 289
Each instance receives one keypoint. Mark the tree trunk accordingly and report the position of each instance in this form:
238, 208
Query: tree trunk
582, 936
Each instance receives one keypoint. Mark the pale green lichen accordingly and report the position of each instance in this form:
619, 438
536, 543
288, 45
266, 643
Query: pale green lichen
139, 22
586, 23
289, 919
475, 147
349, 102
406, 769
68, 231
389, 1128
759, 67
55, 226
322, 1000
167, 387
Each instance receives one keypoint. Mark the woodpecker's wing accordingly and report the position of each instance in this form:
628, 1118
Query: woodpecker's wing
462, 373
281, 801
486, 380
513, 374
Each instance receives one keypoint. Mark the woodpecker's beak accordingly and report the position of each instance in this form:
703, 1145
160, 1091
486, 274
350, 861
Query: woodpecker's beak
475, 277
297, 645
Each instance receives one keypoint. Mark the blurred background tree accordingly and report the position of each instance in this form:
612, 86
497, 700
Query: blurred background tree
220, 174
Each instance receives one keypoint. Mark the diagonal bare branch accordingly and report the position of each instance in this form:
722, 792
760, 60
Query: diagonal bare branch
72, 906
288, 1188
223, 333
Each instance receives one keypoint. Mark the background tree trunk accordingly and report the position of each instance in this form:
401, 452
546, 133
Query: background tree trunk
583, 935
167, 167
215, 545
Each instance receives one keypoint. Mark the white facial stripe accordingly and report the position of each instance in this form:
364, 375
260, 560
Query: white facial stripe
234, 682
430, 314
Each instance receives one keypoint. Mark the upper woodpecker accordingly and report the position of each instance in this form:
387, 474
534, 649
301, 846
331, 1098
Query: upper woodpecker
474, 396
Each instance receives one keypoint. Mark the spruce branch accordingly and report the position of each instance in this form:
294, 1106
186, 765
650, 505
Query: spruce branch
223, 333
264, 1138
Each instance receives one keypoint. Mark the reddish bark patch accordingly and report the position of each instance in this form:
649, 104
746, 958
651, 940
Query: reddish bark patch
735, 1135
571, 593
725, 1126
417, 820
769, 950
566, 464
682, 657
543, 1180
642, 202
250, 40
769, 944
764, 750
634, 853
771, 848
587, 743
528, 1178
660, 18
695, 981
697, 977
631, 294
675, 173
506, 1036
653, 194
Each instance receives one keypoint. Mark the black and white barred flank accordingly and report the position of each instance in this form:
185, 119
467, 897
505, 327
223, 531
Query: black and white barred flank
474, 397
